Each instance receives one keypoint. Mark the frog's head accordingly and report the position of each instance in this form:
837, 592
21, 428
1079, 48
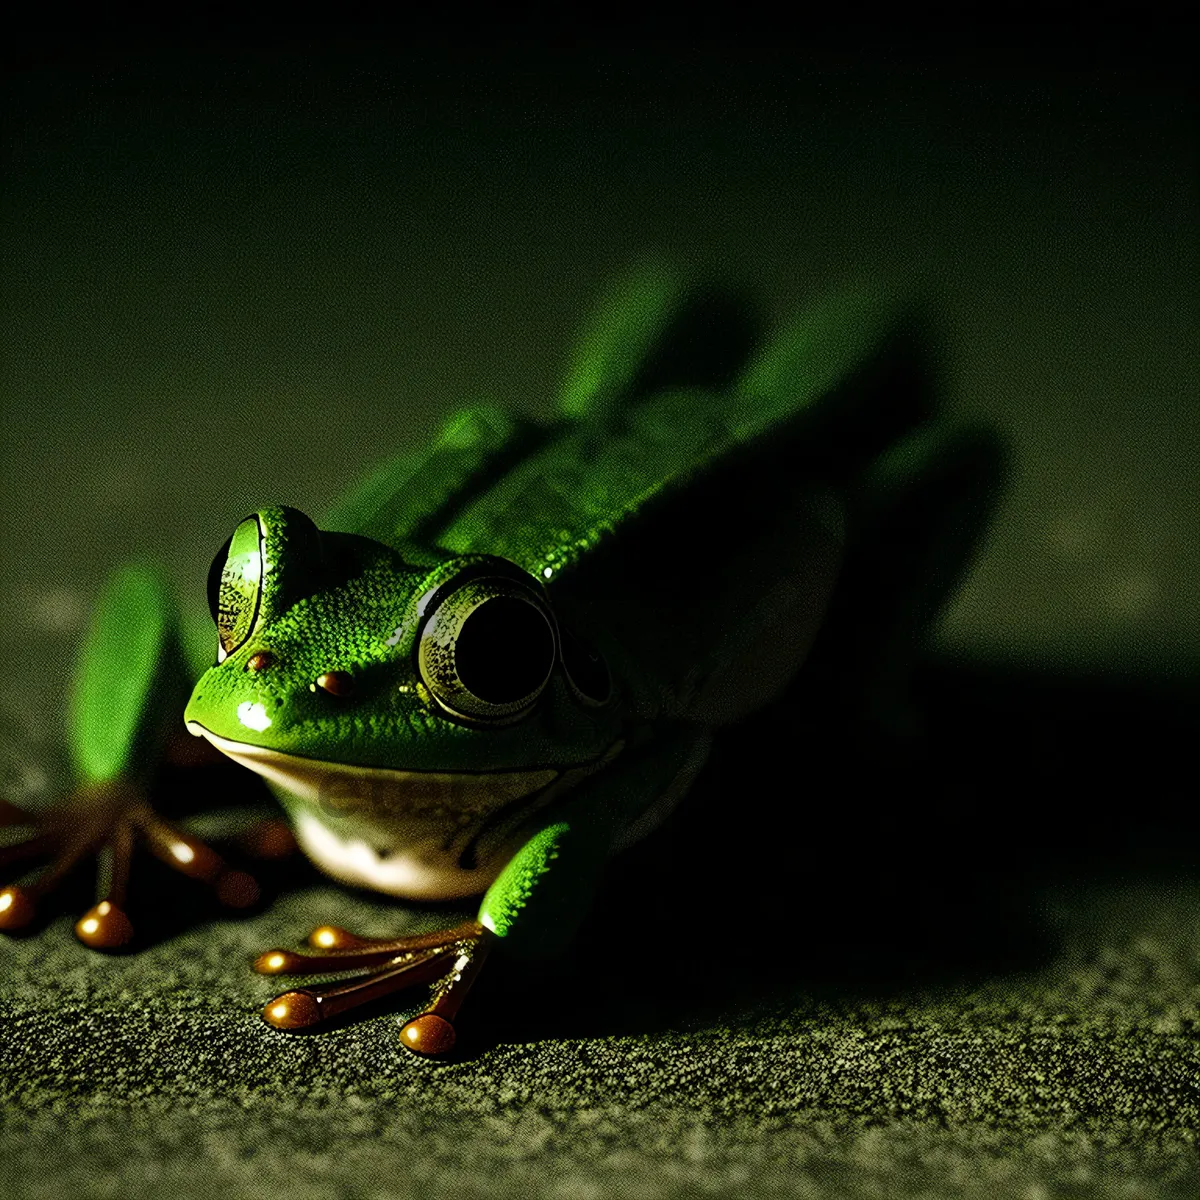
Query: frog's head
417, 701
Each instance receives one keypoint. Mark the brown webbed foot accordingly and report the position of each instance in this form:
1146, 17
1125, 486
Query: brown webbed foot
107, 820
450, 959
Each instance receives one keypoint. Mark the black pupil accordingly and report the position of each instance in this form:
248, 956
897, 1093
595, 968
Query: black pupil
504, 650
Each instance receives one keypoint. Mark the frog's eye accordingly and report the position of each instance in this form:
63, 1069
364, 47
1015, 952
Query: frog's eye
235, 587
487, 649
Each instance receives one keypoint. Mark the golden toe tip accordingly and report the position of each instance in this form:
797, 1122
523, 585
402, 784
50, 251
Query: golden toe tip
17, 908
293, 1010
330, 937
428, 1034
273, 962
104, 927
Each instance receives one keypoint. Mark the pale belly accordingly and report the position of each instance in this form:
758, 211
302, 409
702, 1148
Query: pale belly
420, 835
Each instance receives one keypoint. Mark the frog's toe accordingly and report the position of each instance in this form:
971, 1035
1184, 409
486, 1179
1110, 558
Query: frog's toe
190, 856
337, 940
104, 927
428, 1034
449, 959
334, 937
236, 889
17, 908
105, 821
63, 837
293, 1010
18, 905
320, 1003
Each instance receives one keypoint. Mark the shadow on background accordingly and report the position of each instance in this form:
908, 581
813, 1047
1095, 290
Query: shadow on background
836, 866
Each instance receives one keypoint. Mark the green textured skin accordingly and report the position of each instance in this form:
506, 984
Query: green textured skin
552, 509
393, 500
579, 482
508, 897
347, 628
687, 524
541, 895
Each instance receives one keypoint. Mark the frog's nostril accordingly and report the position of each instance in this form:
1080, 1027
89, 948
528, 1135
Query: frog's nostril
260, 661
336, 683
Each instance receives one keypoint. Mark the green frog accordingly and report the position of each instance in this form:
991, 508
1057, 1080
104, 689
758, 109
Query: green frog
502, 658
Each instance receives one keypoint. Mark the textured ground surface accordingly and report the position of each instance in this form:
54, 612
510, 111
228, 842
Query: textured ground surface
880, 1001
155, 1076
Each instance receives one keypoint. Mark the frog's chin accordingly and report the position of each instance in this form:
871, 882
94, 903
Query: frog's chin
410, 875
422, 835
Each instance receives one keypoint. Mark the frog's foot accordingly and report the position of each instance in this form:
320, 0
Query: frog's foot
450, 959
106, 820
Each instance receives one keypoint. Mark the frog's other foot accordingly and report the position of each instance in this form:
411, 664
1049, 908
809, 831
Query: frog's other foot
106, 821
449, 959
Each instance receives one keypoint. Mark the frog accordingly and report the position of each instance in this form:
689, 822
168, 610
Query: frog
502, 658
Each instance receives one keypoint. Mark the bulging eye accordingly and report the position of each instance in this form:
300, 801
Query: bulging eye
235, 587
487, 649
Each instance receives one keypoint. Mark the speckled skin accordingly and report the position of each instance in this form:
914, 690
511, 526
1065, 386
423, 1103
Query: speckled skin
367, 626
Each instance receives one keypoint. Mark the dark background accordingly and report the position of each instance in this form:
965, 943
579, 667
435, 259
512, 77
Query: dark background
234, 278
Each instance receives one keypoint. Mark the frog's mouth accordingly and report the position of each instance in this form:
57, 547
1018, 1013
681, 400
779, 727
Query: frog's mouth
418, 834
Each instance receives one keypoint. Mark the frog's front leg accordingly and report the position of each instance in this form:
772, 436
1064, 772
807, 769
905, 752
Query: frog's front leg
129, 691
532, 907
531, 910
